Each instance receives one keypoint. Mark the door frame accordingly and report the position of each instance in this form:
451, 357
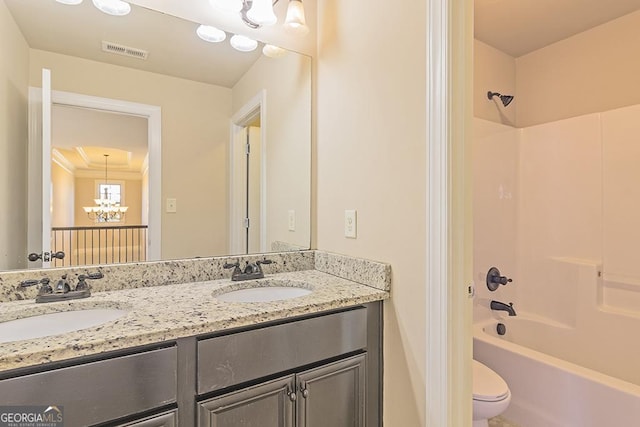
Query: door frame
254, 107
153, 114
449, 277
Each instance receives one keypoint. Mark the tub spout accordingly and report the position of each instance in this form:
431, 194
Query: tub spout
497, 305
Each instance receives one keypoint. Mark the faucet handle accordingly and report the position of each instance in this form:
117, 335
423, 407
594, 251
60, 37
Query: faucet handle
82, 284
29, 282
495, 279
44, 289
230, 265
94, 276
235, 266
265, 261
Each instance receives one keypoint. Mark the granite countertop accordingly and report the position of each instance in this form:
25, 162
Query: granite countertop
162, 313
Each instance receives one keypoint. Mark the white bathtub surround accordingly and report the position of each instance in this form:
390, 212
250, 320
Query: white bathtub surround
556, 208
564, 189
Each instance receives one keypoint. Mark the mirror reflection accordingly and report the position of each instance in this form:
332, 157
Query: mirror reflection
189, 186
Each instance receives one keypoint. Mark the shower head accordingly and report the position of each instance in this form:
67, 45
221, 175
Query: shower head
506, 99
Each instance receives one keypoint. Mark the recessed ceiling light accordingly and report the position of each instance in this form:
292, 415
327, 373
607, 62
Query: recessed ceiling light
211, 34
273, 51
243, 44
113, 7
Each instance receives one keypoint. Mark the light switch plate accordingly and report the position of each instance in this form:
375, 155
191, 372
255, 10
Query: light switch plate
350, 223
292, 220
172, 206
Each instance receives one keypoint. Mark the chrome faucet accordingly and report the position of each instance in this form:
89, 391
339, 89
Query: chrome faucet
497, 305
252, 270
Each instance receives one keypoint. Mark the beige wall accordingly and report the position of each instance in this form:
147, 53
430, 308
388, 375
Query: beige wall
494, 71
195, 132
62, 197
288, 150
371, 155
596, 70
13, 142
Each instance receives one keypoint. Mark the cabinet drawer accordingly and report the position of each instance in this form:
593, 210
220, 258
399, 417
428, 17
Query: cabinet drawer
167, 419
233, 359
100, 391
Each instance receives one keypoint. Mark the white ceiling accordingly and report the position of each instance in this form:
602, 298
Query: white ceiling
82, 136
173, 46
517, 27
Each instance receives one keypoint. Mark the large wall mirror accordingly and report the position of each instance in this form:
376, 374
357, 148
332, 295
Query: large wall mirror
226, 170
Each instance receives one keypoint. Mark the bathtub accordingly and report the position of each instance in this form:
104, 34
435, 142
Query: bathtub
550, 390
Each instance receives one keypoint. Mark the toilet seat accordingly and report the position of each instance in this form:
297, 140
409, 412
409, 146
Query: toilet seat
488, 386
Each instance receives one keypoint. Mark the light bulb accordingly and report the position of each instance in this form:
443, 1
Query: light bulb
113, 7
227, 5
71, 2
211, 34
243, 44
261, 12
295, 22
273, 51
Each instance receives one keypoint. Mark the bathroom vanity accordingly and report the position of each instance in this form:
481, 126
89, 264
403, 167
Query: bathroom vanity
181, 357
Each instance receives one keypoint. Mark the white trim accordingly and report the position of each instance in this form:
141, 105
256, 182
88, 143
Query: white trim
246, 113
34, 179
448, 323
46, 164
58, 158
121, 175
154, 117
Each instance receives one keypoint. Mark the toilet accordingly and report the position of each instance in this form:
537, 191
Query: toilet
491, 395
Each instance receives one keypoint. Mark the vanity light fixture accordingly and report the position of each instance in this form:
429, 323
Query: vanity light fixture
243, 43
256, 13
113, 7
261, 12
211, 34
70, 2
295, 22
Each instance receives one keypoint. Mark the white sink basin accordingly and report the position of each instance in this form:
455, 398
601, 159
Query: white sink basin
45, 325
264, 291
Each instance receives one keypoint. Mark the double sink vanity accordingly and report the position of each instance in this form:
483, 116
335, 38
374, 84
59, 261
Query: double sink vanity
179, 343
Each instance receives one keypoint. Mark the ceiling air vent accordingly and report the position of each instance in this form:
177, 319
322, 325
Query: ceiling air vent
124, 50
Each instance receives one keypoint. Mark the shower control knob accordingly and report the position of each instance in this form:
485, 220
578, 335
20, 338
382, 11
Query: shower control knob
495, 279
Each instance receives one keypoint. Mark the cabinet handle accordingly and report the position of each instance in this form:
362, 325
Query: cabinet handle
292, 395
305, 393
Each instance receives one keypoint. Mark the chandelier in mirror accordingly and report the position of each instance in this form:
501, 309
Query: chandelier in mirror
107, 207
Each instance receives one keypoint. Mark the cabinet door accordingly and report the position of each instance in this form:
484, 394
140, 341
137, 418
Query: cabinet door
333, 395
269, 404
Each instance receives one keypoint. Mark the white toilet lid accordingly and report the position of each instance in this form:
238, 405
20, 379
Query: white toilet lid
488, 386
